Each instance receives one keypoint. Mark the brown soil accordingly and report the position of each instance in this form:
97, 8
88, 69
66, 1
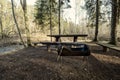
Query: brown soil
35, 63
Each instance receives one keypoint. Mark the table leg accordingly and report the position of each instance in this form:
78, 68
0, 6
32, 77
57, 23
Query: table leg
75, 39
105, 49
57, 39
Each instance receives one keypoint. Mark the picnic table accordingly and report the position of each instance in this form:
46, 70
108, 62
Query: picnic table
68, 48
75, 36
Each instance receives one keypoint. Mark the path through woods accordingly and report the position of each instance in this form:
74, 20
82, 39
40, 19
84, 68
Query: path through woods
35, 63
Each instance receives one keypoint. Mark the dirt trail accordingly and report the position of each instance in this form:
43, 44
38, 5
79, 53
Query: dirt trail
35, 63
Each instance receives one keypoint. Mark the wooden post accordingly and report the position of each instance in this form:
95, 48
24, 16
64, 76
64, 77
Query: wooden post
75, 39
48, 48
57, 39
105, 49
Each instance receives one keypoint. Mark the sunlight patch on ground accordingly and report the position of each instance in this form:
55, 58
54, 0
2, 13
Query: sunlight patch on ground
107, 58
10, 49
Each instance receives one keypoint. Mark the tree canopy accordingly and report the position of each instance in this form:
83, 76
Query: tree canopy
42, 14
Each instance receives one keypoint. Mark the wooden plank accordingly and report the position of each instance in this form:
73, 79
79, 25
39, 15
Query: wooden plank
35, 43
48, 44
71, 35
62, 43
114, 47
75, 36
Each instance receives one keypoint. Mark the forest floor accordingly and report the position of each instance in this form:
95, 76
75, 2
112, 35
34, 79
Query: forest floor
36, 63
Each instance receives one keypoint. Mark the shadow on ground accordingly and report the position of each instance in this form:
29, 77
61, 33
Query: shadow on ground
35, 63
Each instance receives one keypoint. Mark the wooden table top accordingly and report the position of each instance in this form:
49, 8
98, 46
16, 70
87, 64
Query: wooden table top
70, 35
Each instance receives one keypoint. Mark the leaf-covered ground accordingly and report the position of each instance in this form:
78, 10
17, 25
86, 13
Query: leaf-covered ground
35, 63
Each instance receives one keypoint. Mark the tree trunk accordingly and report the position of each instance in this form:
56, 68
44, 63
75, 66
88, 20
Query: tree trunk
113, 22
2, 35
118, 11
97, 21
17, 23
51, 19
24, 7
27, 30
59, 17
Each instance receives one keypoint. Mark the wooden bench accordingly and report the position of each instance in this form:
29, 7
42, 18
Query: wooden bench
49, 44
107, 46
68, 48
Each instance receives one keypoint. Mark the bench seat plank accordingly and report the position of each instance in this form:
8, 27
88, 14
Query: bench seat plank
48, 44
61, 43
110, 46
